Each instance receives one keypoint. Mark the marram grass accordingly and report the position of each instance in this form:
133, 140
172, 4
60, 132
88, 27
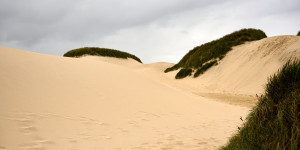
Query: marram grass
274, 124
183, 73
100, 52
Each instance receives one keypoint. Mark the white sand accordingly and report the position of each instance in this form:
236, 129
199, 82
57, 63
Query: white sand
52, 102
241, 75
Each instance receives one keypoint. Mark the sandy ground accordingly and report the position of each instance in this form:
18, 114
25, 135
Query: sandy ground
52, 102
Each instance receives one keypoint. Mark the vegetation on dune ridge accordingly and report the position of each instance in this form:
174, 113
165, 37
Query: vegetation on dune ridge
96, 51
298, 33
216, 49
274, 123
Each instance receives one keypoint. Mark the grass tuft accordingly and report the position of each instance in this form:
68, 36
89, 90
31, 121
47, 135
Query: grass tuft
275, 122
100, 52
183, 73
175, 67
205, 67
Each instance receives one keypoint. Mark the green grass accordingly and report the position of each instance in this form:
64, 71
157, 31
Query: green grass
100, 52
275, 122
175, 67
216, 49
183, 73
205, 67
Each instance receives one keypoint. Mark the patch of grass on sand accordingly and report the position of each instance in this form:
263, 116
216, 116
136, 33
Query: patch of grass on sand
205, 67
183, 73
96, 51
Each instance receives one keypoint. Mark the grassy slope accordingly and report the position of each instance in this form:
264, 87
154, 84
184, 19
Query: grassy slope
216, 49
275, 122
100, 52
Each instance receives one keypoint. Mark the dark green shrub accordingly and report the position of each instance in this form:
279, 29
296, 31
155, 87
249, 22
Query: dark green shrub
221, 57
202, 69
175, 67
275, 122
217, 48
298, 33
183, 73
100, 52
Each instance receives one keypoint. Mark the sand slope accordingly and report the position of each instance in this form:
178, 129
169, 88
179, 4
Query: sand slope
239, 76
51, 102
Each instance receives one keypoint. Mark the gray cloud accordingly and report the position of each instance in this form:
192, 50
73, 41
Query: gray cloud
154, 30
31, 20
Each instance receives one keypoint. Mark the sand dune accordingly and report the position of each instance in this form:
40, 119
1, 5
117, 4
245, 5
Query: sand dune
247, 67
239, 76
51, 102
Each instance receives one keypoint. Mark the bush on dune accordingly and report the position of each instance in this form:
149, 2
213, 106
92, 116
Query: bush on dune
205, 67
175, 67
183, 73
216, 49
100, 52
275, 122
298, 33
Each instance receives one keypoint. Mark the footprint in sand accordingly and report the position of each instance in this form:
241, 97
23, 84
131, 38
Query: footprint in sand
179, 143
46, 142
2, 148
134, 123
28, 129
123, 130
37, 144
71, 140
32, 145
86, 120
167, 148
202, 143
107, 137
25, 122
26, 126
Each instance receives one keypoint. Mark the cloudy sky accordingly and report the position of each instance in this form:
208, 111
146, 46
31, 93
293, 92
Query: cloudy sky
153, 30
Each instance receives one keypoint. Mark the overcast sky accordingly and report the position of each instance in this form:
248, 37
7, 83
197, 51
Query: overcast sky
153, 30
